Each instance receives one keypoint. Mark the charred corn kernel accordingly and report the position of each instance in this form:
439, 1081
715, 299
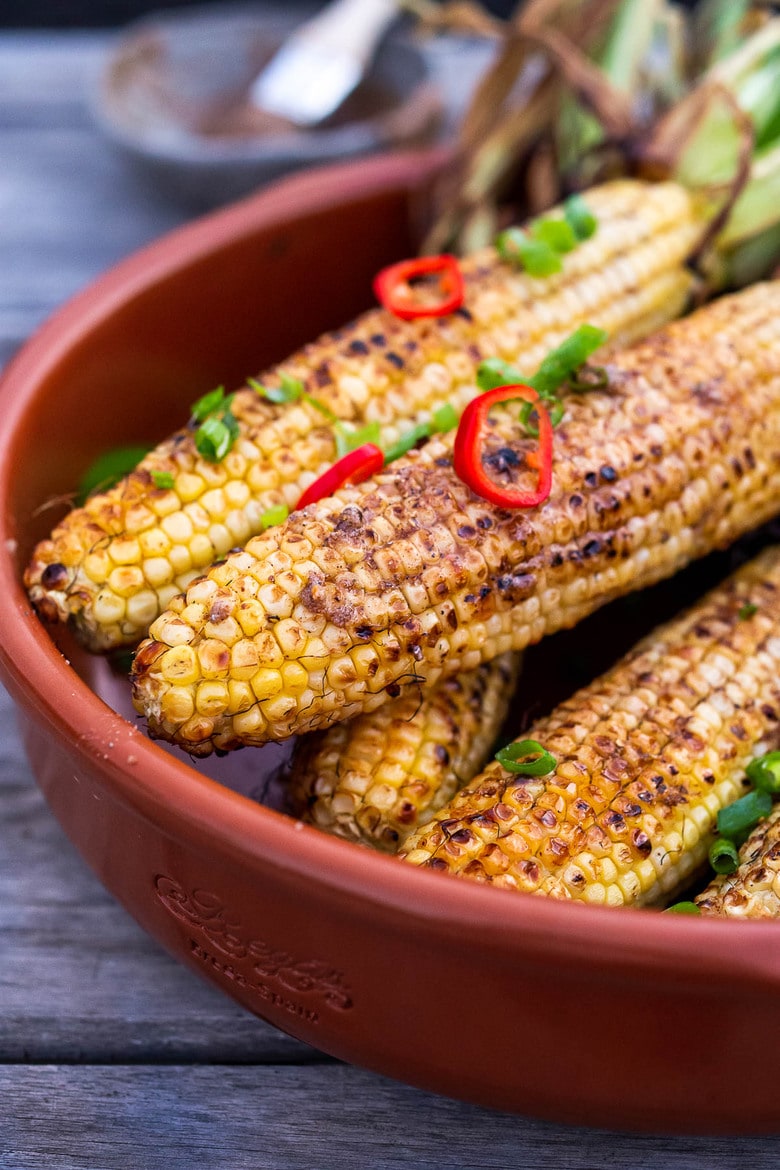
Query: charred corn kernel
628, 278
378, 777
619, 473
753, 890
645, 757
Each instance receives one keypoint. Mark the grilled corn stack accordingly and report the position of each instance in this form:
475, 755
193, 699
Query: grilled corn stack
112, 566
409, 577
645, 758
378, 777
753, 890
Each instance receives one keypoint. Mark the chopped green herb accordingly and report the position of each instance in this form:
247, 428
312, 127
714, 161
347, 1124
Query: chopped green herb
322, 408
555, 409
273, 516
579, 216
493, 372
407, 441
588, 378
527, 758
723, 855
444, 419
558, 234
349, 440
683, 908
289, 389
109, 468
562, 362
215, 436
206, 405
535, 256
747, 610
764, 772
163, 479
740, 817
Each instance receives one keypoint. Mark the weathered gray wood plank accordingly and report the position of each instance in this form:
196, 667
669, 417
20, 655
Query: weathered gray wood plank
79, 980
315, 1118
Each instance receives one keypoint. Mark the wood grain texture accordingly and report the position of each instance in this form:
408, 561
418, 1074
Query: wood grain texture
111, 1055
320, 1118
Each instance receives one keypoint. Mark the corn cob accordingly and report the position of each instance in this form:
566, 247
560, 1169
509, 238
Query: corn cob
113, 565
645, 758
378, 777
410, 576
753, 890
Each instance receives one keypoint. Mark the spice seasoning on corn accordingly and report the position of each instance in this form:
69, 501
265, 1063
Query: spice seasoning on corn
380, 776
647, 758
110, 567
410, 577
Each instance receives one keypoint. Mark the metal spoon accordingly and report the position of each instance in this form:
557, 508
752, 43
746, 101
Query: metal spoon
320, 64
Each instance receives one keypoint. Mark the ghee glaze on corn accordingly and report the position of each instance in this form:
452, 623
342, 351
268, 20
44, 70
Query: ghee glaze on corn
111, 566
644, 759
409, 577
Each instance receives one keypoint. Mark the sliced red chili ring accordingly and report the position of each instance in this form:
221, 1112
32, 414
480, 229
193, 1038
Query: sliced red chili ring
354, 467
470, 442
395, 291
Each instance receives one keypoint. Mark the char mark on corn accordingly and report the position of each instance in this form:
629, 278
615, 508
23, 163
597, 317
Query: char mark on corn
645, 756
410, 577
378, 777
112, 566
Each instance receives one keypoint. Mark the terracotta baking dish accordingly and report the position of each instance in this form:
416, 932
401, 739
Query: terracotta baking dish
625, 1019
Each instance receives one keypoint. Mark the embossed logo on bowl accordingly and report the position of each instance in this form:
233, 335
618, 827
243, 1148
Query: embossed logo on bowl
252, 962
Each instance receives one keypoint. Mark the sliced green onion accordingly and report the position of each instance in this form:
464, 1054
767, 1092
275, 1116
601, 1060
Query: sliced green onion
561, 363
349, 440
407, 441
322, 408
163, 479
535, 256
588, 378
527, 758
215, 436
683, 908
273, 516
723, 855
558, 234
493, 372
764, 773
747, 610
741, 816
206, 405
580, 217
444, 419
289, 389
109, 468
555, 409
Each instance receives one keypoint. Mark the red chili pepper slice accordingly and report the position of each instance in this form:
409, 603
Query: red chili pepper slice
394, 289
470, 440
353, 467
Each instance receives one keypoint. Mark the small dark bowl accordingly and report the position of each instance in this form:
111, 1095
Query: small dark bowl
173, 98
628, 1019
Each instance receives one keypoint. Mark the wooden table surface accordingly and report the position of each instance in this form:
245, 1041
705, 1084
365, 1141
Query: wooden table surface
111, 1055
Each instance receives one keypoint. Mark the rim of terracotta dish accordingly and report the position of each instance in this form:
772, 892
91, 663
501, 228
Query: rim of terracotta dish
182, 801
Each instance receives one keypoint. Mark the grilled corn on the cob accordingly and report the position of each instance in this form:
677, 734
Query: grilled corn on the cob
410, 576
753, 890
645, 758
112, 566
378, 777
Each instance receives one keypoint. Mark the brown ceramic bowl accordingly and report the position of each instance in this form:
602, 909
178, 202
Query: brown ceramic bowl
628, 1019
